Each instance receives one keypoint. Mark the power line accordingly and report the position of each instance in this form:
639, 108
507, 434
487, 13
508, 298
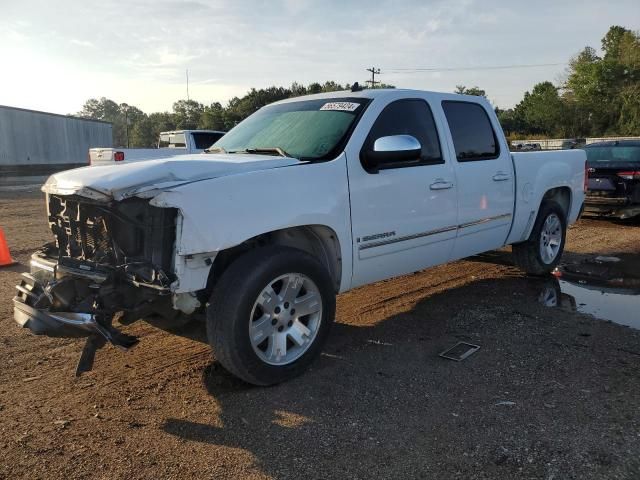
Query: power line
457, 69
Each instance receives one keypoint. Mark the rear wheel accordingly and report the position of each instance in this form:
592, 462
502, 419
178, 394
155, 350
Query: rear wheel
270, 314
542, 252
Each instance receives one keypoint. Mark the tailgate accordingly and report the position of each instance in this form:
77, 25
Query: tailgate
110, 156
101, 156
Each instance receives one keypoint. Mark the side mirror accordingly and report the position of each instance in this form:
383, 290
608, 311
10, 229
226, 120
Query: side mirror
391, 149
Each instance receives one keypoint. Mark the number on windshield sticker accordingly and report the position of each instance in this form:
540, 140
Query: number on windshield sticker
340, 106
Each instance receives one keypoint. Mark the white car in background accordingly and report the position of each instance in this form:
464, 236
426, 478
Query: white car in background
177, 142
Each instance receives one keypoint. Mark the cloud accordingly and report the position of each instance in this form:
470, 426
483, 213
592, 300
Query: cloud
143, 45
82, 43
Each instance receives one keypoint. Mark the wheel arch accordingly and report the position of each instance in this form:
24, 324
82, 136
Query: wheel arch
562, 196
320, 241
530, 255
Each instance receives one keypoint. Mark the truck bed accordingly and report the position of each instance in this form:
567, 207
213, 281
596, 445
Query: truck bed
537, 172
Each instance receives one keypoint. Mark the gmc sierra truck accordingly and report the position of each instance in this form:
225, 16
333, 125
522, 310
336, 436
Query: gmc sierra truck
178, 142
306, 198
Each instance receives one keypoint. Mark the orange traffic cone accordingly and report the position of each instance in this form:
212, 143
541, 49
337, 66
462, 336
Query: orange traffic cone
5, 256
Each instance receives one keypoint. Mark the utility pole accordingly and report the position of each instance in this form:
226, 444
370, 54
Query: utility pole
187, 84
126, 121
374, 71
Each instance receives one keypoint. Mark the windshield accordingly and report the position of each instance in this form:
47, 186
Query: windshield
614, 153
308, 130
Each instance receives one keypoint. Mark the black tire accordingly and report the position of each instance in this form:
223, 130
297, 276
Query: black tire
526, 255
231, 305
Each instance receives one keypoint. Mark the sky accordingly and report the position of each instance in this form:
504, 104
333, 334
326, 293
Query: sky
57, 54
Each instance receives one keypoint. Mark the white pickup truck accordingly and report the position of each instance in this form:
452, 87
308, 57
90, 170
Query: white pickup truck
178, 142
306, 198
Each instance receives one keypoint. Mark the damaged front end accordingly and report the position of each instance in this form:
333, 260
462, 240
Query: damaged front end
108, 259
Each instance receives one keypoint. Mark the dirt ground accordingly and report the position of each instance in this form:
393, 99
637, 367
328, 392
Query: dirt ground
551, 394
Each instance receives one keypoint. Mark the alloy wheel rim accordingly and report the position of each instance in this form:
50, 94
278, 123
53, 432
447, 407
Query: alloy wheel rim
285, 319
550, 238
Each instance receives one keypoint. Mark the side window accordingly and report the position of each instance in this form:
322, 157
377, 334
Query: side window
408, 117
473, 136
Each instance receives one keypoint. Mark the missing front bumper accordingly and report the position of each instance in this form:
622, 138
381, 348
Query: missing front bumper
65, 302
59, 324
68, 325
72, 325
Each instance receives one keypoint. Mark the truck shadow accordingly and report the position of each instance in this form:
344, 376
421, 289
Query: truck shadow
495, 257
612, 221
193, 328
380, 398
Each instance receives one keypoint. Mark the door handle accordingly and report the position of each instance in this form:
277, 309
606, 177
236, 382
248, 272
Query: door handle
501, 177
440, 184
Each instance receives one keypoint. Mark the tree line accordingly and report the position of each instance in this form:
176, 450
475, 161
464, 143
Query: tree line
600, 96
132, 127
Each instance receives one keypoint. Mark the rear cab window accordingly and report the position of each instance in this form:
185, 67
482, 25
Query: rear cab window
203, 140
172, 140
471, 131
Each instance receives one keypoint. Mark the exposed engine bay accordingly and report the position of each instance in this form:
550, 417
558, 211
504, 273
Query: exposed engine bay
108, 259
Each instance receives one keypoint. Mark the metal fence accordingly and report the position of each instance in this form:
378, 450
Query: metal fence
561, 143
608, 139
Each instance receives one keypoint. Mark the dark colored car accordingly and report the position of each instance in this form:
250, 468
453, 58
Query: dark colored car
614, 178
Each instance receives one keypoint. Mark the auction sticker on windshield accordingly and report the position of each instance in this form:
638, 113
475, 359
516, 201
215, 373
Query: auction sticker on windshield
340, 106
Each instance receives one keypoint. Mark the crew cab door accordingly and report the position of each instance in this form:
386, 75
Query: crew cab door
485, 177
404, 213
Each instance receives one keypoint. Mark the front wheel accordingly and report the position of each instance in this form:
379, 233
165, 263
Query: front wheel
541, 253
270, 314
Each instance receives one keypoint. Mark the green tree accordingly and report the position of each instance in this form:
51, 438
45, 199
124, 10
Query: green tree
606, 89
100, 109
314, 88
510, 121
628, 51
108, 111
213, 117
129, 117
162, 122
612, 40
331, 86
542, 109
297, 89
142, 133
462, 90
122, 116
187, 114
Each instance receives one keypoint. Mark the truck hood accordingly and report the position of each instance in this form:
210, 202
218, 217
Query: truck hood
147, 178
